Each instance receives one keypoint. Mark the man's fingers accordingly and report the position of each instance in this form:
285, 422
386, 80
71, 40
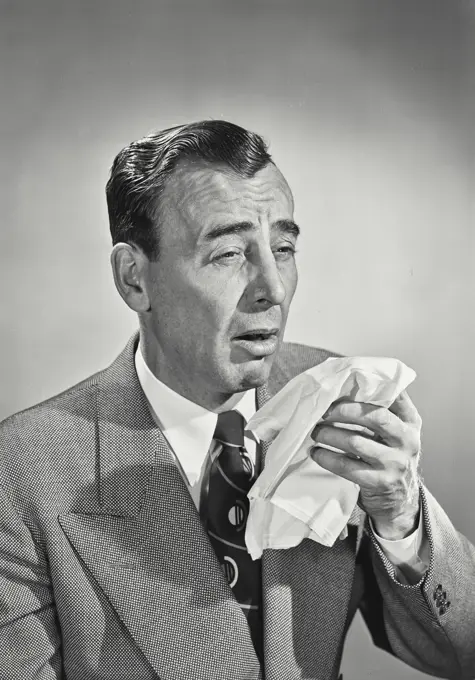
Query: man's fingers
352, 443
356, 471
380, 420
404, 409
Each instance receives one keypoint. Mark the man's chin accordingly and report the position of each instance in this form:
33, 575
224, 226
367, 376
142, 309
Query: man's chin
256, 374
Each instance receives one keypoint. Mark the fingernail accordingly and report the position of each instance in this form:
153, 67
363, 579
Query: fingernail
314, 453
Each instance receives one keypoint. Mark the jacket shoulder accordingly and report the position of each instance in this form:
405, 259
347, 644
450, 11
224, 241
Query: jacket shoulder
58, 423
38, 439
73, 400
294, 358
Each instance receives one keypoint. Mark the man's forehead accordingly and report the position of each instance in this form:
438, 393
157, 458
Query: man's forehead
196, 187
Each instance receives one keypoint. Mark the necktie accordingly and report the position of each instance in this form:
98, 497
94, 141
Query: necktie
224, 508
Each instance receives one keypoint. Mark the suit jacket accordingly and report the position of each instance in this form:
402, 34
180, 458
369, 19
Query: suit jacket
107, 574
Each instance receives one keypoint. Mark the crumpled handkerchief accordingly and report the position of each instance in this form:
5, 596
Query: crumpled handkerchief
294, 497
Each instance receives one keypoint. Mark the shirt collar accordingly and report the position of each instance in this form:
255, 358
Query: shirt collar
188, 427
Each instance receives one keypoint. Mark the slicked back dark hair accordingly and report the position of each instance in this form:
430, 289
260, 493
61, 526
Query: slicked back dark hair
140, 171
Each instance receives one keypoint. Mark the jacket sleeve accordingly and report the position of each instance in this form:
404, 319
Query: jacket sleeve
29, 634
430, 625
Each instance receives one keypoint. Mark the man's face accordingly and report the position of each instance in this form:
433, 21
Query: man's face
221, 288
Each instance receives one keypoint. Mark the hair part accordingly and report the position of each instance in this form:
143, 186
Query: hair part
140, 171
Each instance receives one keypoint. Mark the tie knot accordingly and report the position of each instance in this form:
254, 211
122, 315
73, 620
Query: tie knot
230, 429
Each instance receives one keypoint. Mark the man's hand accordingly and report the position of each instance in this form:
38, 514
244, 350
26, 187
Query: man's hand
382, 459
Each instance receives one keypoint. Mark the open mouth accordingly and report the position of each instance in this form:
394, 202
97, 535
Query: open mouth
256, 335
259, 342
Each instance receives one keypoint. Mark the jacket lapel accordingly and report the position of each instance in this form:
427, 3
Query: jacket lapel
145, 546
306, 595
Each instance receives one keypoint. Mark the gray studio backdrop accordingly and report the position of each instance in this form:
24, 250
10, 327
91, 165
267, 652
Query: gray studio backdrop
369, 109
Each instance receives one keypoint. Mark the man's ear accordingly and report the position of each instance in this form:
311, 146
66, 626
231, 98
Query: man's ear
129, 265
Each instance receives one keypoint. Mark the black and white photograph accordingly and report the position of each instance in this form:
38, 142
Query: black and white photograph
237, 294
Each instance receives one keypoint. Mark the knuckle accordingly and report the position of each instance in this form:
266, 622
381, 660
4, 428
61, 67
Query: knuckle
390, 480
374, 484
381, 417
399, 465
340, 464
356, 444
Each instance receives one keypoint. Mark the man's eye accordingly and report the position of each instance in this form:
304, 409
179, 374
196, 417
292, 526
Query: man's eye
227, 255
284, 251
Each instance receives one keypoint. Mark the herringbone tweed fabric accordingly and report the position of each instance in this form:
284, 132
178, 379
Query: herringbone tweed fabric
107, 574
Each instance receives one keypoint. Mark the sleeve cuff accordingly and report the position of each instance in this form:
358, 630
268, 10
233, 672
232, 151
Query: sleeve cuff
410, 555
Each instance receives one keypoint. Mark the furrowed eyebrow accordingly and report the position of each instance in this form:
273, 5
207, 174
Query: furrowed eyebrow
286, 226
229, 230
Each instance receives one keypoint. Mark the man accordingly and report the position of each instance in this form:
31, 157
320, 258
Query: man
112, 563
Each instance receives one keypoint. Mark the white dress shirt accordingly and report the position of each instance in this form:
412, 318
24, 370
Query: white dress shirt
189, 428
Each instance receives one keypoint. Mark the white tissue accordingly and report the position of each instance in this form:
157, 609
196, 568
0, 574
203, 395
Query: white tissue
294, 497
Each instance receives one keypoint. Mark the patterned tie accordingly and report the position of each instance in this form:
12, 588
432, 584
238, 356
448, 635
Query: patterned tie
224, 507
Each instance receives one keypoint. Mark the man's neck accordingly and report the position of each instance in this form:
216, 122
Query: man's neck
216, 402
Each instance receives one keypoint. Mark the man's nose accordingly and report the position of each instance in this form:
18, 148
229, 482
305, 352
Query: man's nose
268, 286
